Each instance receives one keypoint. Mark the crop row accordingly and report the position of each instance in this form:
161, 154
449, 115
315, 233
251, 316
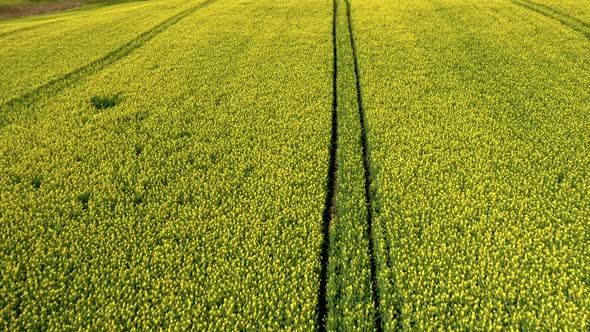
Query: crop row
568, 21
478, 131
575, 8
350, 304
180, 188
32, 57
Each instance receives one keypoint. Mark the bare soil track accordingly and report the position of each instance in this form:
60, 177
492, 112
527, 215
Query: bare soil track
13, 11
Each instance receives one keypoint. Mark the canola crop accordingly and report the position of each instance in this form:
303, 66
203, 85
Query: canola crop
173, 165
188, 195
565, 13
574, 8
34, 53
478, 129
7, 28
349, 291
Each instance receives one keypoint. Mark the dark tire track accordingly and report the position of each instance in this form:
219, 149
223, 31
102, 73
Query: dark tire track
41, 25
565, 19
45, 24
329, 207
55, 86
367, 171
332, 191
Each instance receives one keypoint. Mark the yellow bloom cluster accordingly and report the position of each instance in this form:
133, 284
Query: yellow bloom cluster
349, 292
34, 52
579, 10
478, 116
181, 184
195, 202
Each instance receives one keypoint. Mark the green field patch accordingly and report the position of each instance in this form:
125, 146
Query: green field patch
104, 102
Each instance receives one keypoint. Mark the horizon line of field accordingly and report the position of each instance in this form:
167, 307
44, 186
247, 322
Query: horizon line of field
554, 14
61, 83
42, 23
